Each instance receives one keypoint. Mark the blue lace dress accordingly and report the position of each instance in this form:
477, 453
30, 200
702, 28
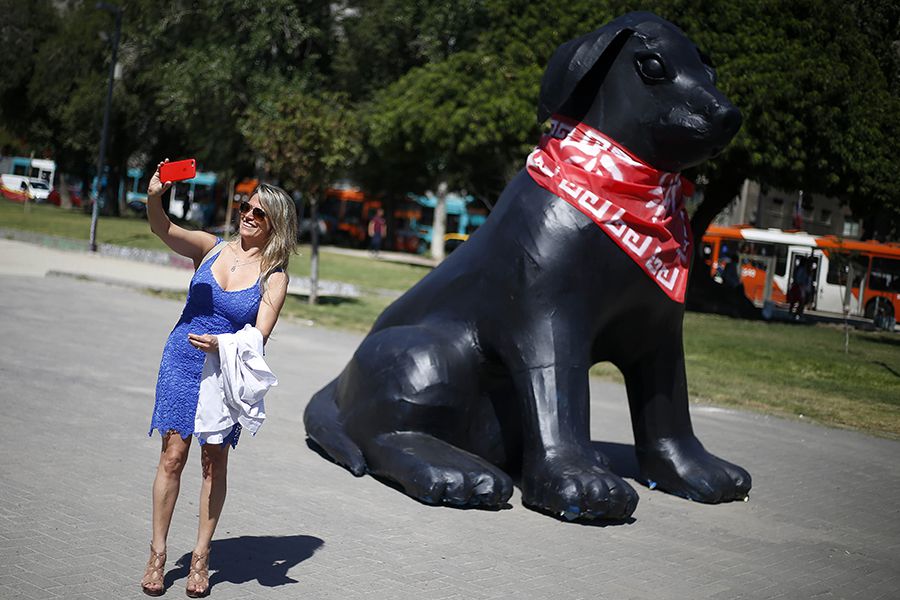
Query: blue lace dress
209, 309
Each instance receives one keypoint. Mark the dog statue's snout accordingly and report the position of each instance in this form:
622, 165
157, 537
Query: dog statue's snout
728, 120
725, 118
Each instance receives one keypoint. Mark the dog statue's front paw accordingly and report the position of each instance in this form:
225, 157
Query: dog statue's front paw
436, 472
683, 467
571, 483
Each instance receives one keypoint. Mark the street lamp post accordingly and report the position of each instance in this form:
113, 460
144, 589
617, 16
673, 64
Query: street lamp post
95, 211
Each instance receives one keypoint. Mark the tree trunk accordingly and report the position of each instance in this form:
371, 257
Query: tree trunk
65, 199
229, 207
439, 226
122, 192
703, 293
314, 253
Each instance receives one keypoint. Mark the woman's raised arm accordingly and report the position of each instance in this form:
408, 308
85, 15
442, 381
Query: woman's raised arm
192, 244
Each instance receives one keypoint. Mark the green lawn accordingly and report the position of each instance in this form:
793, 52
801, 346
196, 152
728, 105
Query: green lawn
362, 271
782, 369
793, 370
76, 224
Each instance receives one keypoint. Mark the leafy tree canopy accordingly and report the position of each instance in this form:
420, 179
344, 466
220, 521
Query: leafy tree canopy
306, 138
446, 91
201, 65
813, 78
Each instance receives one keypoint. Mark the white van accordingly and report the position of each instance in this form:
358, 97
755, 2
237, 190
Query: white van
38, 190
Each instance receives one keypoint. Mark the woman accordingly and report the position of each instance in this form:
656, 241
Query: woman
235, 283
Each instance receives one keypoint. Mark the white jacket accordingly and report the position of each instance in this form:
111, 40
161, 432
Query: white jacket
232, 386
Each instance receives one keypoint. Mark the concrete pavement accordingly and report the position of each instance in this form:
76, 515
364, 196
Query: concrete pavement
78, 369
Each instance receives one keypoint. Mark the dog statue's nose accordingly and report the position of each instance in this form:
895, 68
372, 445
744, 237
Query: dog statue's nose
728, 120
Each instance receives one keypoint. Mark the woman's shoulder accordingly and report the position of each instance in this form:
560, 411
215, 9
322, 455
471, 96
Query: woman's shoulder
279, 277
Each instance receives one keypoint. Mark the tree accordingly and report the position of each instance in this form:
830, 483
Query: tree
66, 93
381, 40
23, 27
307, 139
201, 65
454, 124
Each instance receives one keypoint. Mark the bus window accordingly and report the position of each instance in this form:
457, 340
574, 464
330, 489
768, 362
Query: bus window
427, 216
780, 259
757, 249
839, 264
885, 275
837, 269
728, 250
331, 207
453, 224
353, 212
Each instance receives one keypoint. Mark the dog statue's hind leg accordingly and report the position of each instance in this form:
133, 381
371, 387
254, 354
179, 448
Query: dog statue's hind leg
669, 454
406, 398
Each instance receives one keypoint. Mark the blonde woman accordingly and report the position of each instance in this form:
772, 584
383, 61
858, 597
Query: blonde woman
235, 283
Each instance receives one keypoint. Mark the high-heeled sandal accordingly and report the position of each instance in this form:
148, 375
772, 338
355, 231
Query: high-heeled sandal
198, 576
153, 583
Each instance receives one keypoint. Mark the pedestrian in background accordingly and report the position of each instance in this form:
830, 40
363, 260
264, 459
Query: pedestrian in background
377, 231
799, 291
243, 281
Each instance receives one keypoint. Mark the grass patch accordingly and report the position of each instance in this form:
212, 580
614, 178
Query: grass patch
793, 370
76, 224
355, 314
365, 272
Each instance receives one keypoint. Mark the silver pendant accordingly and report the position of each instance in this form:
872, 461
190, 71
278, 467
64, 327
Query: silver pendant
233, 267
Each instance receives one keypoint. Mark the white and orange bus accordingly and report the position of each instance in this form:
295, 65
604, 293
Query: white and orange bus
859, 278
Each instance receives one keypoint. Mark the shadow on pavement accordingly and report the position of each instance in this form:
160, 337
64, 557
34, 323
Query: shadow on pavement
267, 559
622, 460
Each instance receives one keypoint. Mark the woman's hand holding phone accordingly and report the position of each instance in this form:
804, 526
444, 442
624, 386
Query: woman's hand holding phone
157, 188
168, 172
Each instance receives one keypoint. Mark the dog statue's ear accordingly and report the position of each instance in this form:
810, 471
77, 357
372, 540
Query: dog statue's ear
572, 61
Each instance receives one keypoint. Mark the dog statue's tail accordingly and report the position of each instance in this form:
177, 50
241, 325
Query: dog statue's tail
324, 427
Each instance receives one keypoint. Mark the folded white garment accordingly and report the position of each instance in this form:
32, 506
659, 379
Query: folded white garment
232, 386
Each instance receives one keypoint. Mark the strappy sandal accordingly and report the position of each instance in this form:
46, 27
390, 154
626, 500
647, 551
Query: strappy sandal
198, 576
153, 583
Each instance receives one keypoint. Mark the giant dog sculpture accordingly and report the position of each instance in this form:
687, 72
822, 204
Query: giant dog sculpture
481, 369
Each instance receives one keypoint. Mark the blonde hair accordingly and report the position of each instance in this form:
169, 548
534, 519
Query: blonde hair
282, 215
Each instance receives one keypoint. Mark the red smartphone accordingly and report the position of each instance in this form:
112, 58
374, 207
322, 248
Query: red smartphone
178, 170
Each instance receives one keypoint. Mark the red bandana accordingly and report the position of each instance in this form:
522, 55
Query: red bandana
640, 208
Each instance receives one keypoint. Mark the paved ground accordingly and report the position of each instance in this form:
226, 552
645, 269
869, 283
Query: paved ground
77, 371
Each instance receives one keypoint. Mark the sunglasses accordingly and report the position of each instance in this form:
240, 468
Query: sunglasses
258, 213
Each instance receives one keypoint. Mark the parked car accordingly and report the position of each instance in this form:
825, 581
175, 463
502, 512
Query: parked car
74, 195
29, 188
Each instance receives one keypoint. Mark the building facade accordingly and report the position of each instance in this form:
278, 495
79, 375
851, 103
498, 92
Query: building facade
765, 208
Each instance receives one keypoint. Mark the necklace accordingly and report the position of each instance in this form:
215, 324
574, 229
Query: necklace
241, 264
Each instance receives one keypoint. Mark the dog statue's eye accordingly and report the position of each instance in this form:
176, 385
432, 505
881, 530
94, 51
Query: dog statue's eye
651, 67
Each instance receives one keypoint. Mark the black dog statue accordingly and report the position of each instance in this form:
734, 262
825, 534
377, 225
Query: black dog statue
481, 369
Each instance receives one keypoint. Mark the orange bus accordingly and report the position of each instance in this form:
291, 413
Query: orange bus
846, 276
346, 212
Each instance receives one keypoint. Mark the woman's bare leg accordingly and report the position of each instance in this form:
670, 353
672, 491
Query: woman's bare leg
172, 458
214, 462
